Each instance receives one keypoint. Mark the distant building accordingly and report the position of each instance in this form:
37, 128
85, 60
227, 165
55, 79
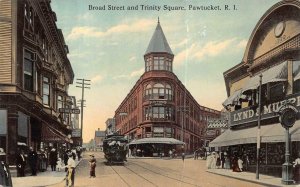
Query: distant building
99, 137
110, 126
159, 105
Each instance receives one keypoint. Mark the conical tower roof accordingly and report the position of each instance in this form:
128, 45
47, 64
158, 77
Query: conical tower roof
158, 42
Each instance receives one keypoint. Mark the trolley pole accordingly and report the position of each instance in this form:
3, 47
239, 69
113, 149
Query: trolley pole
83, 84
258, 127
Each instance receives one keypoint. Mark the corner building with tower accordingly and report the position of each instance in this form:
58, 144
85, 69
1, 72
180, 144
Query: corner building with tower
159, 105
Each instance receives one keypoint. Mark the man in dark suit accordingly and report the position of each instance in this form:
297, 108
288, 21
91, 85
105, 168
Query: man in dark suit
32, 159
21, 163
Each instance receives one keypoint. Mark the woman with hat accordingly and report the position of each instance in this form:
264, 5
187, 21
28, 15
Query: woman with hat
71, 170
92, 162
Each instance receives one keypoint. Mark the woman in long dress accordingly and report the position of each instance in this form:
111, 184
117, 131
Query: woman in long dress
296, 167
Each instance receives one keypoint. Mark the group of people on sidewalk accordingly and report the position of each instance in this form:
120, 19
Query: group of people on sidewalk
221, 160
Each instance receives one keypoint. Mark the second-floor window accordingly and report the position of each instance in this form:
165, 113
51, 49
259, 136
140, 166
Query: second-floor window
28, 70
59, 102
46, 91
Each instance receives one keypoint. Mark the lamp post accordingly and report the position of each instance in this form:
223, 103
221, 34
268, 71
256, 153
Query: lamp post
258, 127
287, 119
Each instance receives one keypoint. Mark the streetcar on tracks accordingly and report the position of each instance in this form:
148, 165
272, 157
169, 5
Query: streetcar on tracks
115, 149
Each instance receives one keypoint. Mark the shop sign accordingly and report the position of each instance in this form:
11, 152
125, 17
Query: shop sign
250, 114
210, 132
158, 102
69, 110
76, 133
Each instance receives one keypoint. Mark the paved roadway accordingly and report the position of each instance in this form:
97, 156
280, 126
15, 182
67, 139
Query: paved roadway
146, 172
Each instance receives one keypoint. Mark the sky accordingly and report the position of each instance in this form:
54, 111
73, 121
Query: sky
107, 46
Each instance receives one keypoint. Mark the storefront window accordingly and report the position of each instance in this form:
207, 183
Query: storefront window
22, 124
296, 76
3, 122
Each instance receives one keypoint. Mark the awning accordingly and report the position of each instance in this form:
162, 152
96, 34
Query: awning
171, 141
269, 133
275, 74
232, 98
297, 77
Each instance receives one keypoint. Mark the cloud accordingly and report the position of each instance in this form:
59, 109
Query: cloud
199, 52
97, 78
141, 25
180, 44
132, 59
133, 74
242, 44
137, 73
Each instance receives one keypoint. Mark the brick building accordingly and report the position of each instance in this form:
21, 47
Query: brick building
159, 105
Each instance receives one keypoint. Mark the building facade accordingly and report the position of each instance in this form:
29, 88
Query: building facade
159, 105
272, 53
34, 77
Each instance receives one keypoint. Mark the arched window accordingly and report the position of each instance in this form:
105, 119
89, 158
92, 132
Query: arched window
158, 91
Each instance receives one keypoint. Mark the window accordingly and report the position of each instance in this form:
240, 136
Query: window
46, 91
296, 76
59, 102
28, 18
159, 112
28, 70
277, 91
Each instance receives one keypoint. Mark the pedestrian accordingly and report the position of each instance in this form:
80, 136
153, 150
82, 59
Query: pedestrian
227, 161
78, 152
222, 158
218, 161
208, 160
5, 179
296, 166
195, 154
213, 160
70, 177
240, 164
21, 163
183, 156
74, 154
66, 157
92, 162
59, 164
53, 159
32, 159
170, 153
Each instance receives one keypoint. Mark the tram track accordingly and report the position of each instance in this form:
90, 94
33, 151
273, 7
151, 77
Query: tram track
135, 173
173, 178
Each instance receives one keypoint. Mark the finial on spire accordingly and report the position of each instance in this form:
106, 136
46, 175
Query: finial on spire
158, 20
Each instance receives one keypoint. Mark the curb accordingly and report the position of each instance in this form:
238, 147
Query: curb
247, 180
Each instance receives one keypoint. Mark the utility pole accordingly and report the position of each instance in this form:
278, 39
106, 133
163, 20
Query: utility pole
82, 83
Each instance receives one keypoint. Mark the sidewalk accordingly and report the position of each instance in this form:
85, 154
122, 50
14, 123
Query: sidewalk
45, 178
265, 180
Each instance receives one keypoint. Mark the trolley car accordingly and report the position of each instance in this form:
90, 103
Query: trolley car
115, 148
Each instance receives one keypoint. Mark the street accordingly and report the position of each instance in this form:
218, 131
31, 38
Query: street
144, 172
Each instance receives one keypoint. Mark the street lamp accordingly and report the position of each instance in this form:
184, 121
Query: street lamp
287, 119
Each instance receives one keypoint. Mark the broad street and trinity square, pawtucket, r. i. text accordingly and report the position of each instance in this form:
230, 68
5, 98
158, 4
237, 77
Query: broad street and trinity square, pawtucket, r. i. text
163, 7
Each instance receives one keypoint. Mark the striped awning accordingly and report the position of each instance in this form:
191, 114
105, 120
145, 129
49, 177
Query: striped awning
275, 74
232, 98
269, 133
